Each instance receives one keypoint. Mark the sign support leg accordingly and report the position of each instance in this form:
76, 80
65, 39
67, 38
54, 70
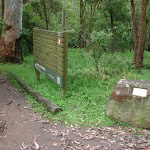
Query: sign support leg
37, 74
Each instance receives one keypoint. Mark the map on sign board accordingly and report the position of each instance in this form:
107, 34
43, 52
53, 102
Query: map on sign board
139, 92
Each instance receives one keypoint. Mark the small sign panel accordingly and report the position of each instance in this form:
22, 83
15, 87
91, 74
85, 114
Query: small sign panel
139, 92
59, 41
58, 80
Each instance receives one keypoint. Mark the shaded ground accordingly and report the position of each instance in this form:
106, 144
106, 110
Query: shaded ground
21, 128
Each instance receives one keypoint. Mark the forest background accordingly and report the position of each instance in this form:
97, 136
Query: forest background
101, 51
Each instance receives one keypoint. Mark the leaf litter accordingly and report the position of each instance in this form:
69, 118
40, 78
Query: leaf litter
99, 138
33, 146
92, 138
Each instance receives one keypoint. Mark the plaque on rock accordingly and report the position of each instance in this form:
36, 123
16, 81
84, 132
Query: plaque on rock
139, 92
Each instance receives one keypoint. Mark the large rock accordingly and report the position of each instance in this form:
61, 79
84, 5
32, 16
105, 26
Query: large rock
130, 103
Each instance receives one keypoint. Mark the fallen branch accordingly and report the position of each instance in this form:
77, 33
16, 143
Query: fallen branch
49, 105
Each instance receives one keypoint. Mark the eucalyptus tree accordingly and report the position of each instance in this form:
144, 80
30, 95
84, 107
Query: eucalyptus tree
139, 32
10, 43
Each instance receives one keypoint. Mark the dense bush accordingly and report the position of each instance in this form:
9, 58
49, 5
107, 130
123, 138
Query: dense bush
30, 20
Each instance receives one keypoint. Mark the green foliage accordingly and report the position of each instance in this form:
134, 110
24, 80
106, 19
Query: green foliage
88, 91
123, 39
101, 39
99, 44
30, 20
72, 22
33, 16
73, 38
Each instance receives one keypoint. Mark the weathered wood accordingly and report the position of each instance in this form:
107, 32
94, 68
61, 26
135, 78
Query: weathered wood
52, 48
47, 32
48, 41
52, 107
64, 90
50, 37
48, 50
51, 55
55, 60
53, 67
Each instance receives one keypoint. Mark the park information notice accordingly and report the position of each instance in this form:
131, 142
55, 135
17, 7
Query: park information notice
51, 55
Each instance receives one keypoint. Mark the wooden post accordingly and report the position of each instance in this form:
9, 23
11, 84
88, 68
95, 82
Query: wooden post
64, 90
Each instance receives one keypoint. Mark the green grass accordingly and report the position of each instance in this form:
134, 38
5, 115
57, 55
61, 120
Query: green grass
88, 91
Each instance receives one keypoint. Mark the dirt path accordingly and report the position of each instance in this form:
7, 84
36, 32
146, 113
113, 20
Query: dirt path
21, 128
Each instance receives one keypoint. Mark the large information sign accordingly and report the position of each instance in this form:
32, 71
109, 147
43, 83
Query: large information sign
51, 55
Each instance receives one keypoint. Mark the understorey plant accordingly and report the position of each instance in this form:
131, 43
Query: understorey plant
100, 42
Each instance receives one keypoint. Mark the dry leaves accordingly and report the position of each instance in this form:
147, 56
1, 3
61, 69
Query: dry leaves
102, 138
34, 146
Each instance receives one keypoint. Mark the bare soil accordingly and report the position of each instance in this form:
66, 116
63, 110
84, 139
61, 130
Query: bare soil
23, 129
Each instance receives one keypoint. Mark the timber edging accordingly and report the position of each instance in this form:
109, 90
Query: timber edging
52, 107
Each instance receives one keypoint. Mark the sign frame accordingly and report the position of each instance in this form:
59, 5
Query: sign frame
50, 51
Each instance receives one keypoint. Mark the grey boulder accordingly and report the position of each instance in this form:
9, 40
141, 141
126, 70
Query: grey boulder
130, 103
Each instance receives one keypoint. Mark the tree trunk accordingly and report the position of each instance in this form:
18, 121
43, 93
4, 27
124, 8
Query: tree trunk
94, 7
82, 10
10, 43
93, 10
112, 30
45, 14
25, 1
135, 30
64, 16
139, 33
142, 34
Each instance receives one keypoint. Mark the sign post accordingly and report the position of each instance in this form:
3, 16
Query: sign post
51, 56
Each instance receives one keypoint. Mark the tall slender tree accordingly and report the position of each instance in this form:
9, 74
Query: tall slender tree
45, 13
139, 32
93, 7
82, 12
112, 27
10, 43
64, 15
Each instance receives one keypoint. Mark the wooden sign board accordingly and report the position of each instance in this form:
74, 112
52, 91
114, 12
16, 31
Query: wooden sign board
51, 55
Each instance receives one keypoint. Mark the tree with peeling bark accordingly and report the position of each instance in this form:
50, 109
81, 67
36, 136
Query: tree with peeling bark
10, 43
139, 32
